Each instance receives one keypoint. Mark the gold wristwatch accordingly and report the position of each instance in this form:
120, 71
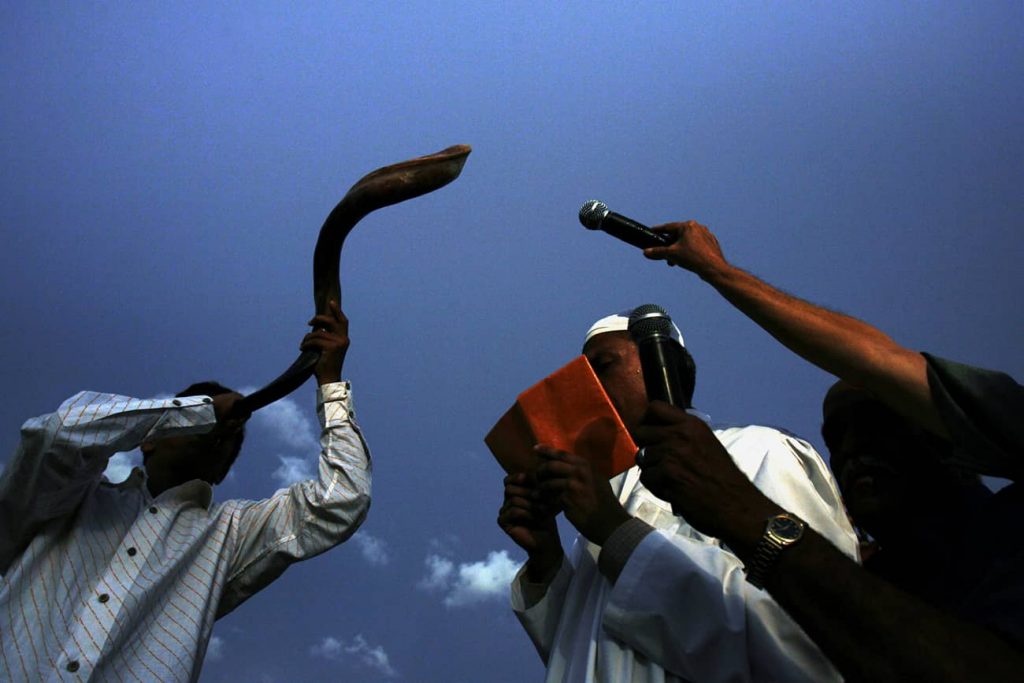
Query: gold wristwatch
782, 531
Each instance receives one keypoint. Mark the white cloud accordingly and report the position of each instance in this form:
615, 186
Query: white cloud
290, 424
215, 649
338, 650
292, 470
120, 465
287, 422
472, 582
374, 550
439, 573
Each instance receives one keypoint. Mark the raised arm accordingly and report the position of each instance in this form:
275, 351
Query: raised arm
539, 588
308, 517
844, 346
62, 455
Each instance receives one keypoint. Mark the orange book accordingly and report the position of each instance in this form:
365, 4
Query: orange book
568, 410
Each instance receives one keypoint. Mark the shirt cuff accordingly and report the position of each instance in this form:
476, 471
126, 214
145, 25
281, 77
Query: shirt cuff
335, 398
620, 545
183, 411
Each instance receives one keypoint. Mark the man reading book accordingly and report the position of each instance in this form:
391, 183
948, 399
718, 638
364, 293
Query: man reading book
642, 595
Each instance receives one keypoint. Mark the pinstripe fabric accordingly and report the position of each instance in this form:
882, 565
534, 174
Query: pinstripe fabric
103, 582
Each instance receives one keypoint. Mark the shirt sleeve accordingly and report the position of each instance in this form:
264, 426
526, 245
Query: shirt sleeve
682, 600
983, 410
308, 517
539, 606
62, 455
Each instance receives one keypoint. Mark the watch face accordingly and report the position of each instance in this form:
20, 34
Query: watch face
787, 528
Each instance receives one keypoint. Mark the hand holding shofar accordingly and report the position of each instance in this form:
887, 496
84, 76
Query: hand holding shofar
383, 187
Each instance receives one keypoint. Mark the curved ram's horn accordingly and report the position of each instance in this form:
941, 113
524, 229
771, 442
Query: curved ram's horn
383, 187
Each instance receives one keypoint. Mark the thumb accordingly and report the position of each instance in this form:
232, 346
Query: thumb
657, 253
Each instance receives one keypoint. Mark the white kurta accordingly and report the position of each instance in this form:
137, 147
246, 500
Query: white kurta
682, 609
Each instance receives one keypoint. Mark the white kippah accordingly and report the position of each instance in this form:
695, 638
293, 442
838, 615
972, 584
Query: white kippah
619, 322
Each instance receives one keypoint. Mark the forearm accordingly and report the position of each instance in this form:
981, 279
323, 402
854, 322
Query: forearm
845, 610
873, 632
308, 517
539, 606
685, 604
340, 494
839, 344
63, 454
540, 568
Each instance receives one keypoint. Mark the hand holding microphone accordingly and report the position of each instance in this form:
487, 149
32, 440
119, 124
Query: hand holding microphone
595, 215
687, 244
691, 246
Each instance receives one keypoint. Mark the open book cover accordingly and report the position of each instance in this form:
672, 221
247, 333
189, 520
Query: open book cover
568, 410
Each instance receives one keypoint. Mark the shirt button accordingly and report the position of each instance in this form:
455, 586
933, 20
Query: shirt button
72, 666
103, 597
131, 552
153, 509
176, 402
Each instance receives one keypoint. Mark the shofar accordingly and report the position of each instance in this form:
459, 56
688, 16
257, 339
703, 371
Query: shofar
383, 187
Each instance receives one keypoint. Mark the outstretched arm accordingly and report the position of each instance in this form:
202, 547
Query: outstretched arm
844, 346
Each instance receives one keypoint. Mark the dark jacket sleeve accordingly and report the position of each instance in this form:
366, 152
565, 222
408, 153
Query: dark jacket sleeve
983, 410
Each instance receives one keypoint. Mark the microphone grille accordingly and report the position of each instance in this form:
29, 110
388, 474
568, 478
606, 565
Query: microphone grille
592, 213
649, 320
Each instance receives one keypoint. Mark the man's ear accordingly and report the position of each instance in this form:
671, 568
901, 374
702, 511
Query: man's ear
146, 447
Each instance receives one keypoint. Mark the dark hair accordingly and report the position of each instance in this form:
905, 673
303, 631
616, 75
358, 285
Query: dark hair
211, 388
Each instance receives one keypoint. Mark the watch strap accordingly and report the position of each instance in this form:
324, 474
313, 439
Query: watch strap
769, 547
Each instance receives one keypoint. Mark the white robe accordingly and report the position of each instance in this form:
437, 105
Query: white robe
682, 610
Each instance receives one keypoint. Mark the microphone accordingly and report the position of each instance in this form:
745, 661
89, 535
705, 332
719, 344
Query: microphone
594, 215
660, 355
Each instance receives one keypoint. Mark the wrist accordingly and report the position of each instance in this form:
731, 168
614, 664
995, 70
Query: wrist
742, 527
541, 567
608, 525
716, 274
328, 377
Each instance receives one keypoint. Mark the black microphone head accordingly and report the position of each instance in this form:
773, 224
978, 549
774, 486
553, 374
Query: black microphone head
592, 213
649, 321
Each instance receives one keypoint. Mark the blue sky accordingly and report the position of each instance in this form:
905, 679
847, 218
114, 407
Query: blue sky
166, 168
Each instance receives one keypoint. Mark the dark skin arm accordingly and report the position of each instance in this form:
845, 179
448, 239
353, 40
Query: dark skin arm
871, 631
844, 346
562, 482
567, 482
330, 338
531, 524
229, 419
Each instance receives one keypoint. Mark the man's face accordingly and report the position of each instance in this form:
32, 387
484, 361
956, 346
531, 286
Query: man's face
615, 360
200, 456
871, 450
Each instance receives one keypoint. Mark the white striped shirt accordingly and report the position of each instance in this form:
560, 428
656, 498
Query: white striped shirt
103, 582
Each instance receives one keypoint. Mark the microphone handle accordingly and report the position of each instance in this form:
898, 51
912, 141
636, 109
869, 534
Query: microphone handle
631, 232
659, 360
